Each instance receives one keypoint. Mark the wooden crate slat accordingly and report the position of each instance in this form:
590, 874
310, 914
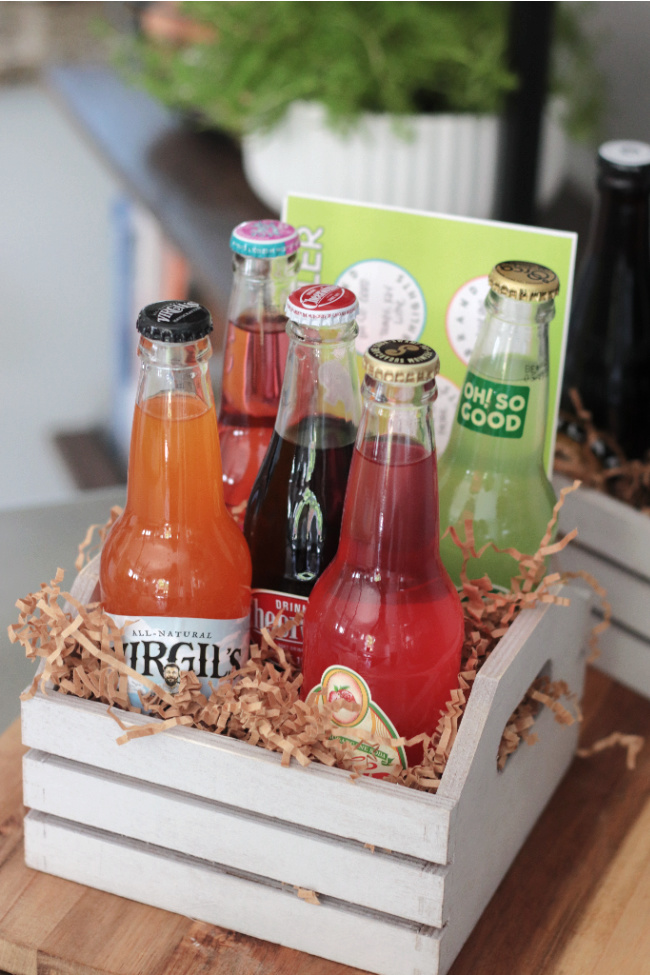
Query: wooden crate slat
151, 875
234, 838
608, 526
243, 776
613, 544
628, 593
625, 656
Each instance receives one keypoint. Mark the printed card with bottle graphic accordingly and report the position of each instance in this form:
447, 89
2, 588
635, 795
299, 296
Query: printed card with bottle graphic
424, 276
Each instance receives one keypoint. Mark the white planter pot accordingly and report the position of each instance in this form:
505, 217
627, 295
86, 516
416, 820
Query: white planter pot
446, 163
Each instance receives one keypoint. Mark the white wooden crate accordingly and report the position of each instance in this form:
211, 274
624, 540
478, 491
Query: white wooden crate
216, 829
613, 544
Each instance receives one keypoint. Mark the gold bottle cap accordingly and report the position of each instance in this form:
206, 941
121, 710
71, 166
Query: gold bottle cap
401, 362
524, 281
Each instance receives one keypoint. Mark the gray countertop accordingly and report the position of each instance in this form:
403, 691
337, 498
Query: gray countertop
34, 542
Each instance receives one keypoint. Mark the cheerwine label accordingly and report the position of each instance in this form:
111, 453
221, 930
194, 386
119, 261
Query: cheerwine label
495, 409
362, 722
162, 647
266, 606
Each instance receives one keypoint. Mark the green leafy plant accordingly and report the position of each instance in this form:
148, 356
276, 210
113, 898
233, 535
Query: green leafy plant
251, 60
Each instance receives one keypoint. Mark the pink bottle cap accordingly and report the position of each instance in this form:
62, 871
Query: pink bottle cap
264, 238
322, 304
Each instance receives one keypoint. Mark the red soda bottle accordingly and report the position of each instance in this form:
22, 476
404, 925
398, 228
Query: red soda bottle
384, 626
265, 264
293, 519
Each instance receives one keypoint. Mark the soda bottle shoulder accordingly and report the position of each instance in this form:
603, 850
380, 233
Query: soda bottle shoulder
175, 550
294, 513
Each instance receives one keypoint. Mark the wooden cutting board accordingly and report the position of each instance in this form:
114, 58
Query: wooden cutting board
575, 902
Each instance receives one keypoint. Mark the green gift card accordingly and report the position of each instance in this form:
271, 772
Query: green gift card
424, 276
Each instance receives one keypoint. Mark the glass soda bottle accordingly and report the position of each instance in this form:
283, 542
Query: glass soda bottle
384, 626
293, 519
265, 264
174, 563
493, 467
608, 349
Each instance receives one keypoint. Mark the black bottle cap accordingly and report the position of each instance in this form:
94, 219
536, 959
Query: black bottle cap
174, 321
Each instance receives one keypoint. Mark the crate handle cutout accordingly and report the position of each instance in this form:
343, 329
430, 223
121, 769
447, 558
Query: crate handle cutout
529, 714
530, 644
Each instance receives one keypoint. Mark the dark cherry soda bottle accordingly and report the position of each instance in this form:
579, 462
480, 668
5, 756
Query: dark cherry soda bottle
293, 519
265, 263
384, 625
608, 349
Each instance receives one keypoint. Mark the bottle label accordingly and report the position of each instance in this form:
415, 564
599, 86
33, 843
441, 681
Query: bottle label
363, 724
265, 606
161, 647
496, 409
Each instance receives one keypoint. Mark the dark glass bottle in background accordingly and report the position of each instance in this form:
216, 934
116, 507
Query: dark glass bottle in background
293, 518
608, 351
265, 264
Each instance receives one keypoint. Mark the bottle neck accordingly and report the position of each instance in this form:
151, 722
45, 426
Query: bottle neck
390, 520
320, 404
619, 224
256, 340
501, 417
174, 369
174, 474
513, 341
260, 289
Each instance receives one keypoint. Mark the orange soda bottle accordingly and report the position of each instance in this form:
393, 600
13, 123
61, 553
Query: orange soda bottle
384, 627
265, 265
174, 564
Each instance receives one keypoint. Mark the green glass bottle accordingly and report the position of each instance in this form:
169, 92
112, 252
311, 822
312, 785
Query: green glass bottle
493, 468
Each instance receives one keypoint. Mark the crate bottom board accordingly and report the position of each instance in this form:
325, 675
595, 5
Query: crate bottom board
235, 839
268, 910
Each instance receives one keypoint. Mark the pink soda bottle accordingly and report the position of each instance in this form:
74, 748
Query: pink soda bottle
265, 263
384, 628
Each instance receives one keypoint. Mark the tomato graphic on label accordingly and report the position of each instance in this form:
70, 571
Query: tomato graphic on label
340, 693
341, 684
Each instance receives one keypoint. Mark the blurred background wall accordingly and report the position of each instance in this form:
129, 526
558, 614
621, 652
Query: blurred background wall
55, 256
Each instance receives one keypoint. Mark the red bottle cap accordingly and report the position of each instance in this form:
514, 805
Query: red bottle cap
322, 304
